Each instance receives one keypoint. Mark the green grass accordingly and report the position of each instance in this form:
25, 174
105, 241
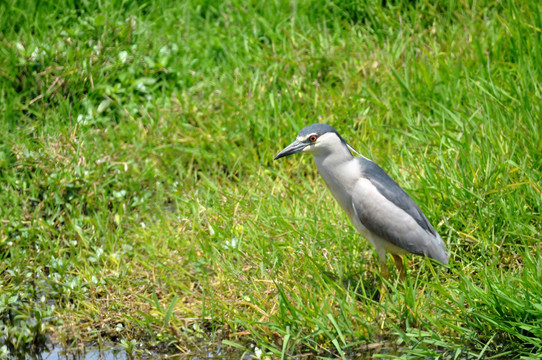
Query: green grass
139, 199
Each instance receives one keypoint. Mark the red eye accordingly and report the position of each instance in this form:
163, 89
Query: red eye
312, 138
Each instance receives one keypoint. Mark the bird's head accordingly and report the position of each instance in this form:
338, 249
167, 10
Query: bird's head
316, 139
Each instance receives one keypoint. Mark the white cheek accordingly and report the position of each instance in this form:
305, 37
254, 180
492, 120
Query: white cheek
310, 148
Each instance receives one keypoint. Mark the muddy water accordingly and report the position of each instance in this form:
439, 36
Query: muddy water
116, 353
202, 351
89, 354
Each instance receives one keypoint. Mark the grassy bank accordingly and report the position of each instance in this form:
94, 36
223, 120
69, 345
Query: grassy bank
139, 200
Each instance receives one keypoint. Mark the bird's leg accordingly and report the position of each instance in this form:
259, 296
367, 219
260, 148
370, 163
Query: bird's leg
384, 270
385, 275
399, 264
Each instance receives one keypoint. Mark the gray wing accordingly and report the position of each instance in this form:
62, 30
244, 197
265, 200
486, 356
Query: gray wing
385, 209
394, 193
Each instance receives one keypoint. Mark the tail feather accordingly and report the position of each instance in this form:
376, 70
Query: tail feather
438, 250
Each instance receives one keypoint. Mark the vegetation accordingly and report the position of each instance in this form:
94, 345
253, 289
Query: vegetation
139, 202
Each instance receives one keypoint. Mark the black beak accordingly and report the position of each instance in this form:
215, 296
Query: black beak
293, 148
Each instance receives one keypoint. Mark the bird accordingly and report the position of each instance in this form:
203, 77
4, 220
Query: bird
376, 205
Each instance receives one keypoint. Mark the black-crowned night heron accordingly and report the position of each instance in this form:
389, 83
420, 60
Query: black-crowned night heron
379, 208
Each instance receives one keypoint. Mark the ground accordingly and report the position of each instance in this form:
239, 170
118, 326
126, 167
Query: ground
140, 204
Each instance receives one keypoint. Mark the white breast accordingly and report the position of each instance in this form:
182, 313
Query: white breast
341, 178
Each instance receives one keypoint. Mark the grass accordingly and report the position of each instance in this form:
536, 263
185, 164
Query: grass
139, 199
